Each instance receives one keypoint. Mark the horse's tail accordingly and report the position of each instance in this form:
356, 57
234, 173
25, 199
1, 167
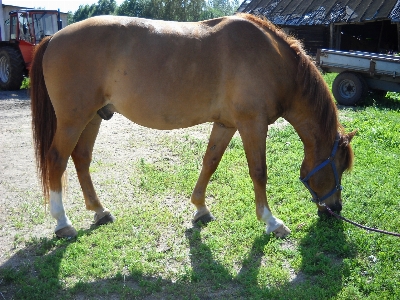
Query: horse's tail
44, 122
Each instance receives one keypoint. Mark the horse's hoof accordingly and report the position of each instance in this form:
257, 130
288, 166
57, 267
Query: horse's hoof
68, 232
108, 218
206, 218
282, 231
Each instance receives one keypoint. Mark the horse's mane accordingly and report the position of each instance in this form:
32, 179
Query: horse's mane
313, 87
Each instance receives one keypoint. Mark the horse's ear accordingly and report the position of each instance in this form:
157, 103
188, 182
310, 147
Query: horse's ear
348, 137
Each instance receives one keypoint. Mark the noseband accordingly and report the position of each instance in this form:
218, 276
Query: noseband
331, 161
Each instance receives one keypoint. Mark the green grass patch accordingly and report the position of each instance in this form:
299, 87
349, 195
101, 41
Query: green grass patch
153, 251
25, 83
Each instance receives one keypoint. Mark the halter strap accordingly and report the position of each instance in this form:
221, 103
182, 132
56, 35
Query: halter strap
330, 161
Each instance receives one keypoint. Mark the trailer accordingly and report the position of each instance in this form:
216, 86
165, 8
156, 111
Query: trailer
359, 72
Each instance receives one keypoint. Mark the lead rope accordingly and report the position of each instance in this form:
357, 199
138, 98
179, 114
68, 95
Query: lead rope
359, 225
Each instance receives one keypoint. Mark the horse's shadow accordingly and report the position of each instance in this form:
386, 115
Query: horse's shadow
208, 279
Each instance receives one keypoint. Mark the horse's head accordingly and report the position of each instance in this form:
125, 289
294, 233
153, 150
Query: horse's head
324, 180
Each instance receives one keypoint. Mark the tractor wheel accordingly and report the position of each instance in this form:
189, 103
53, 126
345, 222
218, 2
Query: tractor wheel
349, 88
12, 68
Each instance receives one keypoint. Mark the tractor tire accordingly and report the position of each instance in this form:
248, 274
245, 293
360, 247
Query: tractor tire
349, 88
12, 68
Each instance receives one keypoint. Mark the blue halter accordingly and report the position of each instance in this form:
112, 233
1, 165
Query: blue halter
330, 161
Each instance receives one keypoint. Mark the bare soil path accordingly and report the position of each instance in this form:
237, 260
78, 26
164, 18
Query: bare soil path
22, 213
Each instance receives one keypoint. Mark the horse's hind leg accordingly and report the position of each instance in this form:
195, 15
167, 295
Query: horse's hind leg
82, 157
61, 148
254, 145
219, 140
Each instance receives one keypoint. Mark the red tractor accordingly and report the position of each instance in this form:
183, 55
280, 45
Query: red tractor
26, 29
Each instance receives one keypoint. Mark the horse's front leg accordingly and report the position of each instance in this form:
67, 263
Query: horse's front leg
254, 145
82, 156
219, 140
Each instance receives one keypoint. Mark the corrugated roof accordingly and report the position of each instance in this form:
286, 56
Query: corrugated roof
322, 12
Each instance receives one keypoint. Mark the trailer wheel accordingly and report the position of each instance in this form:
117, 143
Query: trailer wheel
12, 68
349, 88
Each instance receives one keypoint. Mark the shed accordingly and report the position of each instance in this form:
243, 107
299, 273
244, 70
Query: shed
359, 25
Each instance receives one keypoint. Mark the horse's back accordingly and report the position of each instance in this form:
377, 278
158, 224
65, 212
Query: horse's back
180, 74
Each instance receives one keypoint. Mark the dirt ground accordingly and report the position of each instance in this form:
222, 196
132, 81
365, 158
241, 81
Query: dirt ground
20, 194
17, 167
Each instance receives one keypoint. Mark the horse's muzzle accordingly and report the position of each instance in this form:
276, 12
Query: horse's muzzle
335, 208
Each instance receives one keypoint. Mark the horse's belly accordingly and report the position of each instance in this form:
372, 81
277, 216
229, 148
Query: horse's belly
158, 115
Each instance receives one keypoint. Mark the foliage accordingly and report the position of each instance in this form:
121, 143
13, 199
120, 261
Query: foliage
218, 8
103, 7
167, 10
177, 10
83, 12
25, 83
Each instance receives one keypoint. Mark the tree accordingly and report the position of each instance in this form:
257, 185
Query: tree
176, 10
104, 7
219, 8
131, 8
82, 13
70, 18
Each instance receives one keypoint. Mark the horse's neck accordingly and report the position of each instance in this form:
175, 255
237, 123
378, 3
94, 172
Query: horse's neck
317, 145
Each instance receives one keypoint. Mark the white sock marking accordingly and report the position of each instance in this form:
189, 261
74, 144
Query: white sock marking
57, 210
272, 222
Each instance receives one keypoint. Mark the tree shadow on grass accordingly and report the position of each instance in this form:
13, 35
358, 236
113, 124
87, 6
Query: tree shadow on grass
320, 276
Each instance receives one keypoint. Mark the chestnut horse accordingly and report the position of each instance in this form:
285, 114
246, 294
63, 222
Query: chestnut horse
239, 72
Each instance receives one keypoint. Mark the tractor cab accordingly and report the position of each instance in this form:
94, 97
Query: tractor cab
24, 30
32, 26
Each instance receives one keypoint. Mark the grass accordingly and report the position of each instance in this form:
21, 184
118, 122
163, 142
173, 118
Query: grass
152, 250
25, 83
